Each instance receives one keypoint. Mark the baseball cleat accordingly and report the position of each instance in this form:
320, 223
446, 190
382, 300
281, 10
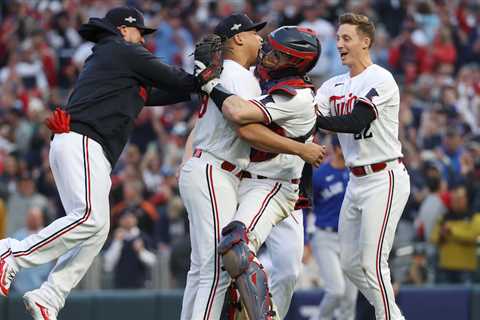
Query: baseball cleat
7, 274
37, 309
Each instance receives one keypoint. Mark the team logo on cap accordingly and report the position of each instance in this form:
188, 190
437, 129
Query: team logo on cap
236, 26
130, 19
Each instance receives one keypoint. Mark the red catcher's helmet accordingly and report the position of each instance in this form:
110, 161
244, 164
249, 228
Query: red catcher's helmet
300, 45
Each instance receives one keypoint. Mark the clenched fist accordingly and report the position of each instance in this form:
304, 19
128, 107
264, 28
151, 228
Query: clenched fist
313, 153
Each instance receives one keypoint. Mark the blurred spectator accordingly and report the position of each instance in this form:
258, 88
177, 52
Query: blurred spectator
8, 178
329, 59
32, 278
81, 54
456, 236
151, 171
418, 271
173, 145
130, 254
64, 38
46, 55
426, 19
170, 209
179, 242
287, 13
433, 207
444, 51
179, 39
26, 70
452, 148
21, 200
407, 56
22, 130
380, 51
134, 203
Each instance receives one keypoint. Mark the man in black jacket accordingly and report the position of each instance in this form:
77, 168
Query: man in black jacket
118, 79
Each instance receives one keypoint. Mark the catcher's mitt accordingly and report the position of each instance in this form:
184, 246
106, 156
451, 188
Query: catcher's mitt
208, 58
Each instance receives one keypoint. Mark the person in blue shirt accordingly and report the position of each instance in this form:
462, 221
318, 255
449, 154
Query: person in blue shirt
329, 186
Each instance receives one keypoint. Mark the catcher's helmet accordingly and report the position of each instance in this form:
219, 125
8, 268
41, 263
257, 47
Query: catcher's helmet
299, 45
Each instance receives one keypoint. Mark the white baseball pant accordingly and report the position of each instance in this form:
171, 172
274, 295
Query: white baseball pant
340, 293
282, 259
210, 197
82, 175
263, 204
370, 213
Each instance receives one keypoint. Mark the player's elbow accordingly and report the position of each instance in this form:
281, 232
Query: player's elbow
234, 114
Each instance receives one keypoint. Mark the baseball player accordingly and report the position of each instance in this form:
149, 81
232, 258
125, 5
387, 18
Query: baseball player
209, 181
362, 106
329, 185
269, 189
116, 82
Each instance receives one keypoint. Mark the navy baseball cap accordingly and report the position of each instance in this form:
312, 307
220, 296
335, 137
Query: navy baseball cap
236, 23
129, 17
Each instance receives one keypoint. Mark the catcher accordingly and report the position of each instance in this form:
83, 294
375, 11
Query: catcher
210, 178
269, 186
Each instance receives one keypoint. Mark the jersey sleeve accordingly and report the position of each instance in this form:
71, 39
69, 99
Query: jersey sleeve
155, 72
381, 92
243, 87
322, 101
276, 107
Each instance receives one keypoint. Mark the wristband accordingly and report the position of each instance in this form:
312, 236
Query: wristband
219, 94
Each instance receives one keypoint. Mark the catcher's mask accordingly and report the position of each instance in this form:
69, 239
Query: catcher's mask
288, 51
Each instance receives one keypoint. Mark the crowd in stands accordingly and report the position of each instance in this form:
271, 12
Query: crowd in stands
431, 46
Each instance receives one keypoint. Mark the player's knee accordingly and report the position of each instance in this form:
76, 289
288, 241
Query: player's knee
233, 247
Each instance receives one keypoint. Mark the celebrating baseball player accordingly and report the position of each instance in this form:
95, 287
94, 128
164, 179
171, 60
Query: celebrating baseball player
329, 185
362, 106
209, 180
269, 188
89, 135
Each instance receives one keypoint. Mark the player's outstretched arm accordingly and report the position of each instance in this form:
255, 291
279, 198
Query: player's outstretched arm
241, 111
234, 108
361, 116
162, 97
262, 138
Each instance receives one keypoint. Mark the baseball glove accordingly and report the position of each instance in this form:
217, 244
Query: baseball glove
208, 59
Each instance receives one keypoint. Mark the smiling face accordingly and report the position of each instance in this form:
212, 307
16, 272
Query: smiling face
352, 45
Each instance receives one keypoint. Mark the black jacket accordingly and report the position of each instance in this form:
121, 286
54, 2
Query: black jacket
116, 82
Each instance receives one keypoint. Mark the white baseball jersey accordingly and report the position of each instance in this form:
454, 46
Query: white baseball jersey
288, 116
376, 87
214, 133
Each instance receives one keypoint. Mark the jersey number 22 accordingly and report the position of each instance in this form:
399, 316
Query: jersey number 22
364, 134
